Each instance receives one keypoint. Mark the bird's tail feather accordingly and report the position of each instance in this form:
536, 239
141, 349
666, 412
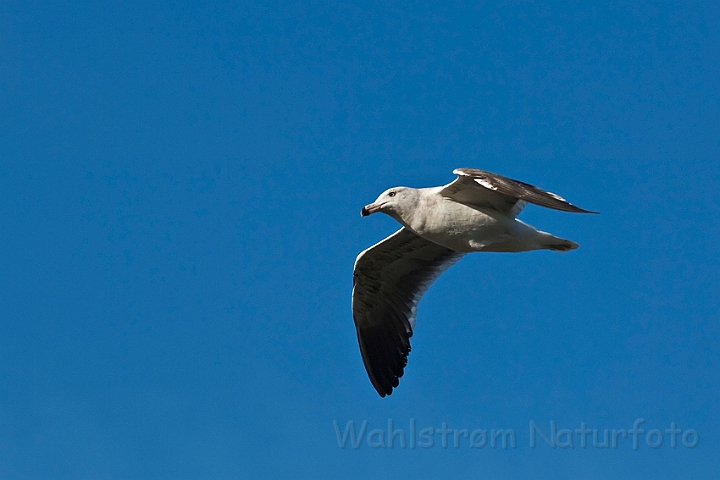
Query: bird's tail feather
558, 244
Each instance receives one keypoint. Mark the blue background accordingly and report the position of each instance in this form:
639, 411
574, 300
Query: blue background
181, 184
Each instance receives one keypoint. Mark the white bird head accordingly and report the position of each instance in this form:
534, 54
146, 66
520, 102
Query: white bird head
394, 202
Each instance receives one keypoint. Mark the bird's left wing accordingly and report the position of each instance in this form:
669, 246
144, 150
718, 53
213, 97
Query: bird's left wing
388, 281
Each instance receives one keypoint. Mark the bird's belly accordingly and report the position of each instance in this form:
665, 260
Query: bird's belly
464, 229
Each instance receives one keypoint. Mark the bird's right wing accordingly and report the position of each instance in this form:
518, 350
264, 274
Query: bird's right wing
489, 190
388, 281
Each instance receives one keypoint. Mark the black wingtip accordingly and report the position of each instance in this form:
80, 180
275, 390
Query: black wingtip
582, 210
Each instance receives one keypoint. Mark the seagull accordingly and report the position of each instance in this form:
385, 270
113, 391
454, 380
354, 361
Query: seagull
474, 213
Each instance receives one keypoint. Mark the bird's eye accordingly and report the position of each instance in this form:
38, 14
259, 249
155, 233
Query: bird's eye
391, 194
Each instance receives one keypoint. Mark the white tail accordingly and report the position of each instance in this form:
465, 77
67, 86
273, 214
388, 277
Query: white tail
551, 242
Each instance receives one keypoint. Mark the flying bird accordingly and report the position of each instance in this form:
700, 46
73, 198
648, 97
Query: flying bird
474, 213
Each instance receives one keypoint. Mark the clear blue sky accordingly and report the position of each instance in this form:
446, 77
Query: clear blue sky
181, 186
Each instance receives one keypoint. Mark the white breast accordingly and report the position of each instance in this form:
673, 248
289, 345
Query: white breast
458, 226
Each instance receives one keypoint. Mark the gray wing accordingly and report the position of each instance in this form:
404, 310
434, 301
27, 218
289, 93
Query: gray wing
488, 190
388, 281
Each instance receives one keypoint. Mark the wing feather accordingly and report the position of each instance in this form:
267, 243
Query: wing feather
388, 281
489, 190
